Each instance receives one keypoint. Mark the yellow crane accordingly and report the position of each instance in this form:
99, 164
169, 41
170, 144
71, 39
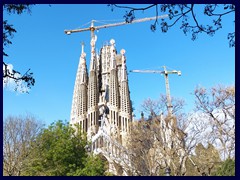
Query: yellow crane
92, 28
165, 72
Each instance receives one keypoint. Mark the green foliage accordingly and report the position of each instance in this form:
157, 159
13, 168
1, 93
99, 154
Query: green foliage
207, 159
17, 8
227, 168
59, 151
93, 166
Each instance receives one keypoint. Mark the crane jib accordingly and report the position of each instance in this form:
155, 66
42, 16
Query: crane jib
93, 28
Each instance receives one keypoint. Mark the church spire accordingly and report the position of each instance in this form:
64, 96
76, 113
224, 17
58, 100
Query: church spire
93, 93
125, 102
93, 53
83, 76
79, 102
124, 69
112, 51
113, 87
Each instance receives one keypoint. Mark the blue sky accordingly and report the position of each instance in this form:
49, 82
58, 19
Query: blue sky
40, 44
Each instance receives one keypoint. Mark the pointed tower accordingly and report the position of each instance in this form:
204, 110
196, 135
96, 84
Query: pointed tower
79, 102
125, 105
93, 92
113, 91
104, 75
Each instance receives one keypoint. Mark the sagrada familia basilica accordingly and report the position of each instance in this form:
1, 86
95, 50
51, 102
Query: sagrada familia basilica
101, 102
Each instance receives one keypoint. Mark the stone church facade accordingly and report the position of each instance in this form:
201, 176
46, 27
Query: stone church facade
101, 97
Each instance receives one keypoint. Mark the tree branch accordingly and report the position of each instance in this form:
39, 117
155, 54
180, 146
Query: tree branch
132, 8
176, 12
195, 20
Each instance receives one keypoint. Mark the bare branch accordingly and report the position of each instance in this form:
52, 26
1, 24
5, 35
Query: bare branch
177, 12
133, 8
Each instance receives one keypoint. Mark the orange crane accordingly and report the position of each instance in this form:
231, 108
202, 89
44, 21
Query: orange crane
92, 28
165, 72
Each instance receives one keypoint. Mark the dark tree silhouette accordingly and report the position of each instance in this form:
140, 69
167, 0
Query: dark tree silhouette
26, 81
186, 14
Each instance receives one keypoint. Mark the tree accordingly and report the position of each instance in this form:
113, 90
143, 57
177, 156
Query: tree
156, 144
22, 82
227, 168
166, 134
218, 108
205, 160
60, 151
18, 133
212, 123
187, 15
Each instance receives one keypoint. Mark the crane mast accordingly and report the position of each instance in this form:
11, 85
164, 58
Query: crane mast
165, 72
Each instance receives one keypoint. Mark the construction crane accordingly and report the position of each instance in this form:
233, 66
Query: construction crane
165, 72
92, 28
